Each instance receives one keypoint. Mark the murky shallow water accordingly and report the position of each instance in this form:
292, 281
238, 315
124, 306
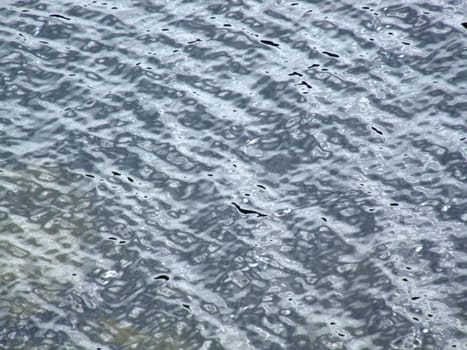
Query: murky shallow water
233, 174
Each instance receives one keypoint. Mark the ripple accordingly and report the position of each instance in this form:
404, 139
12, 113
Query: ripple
238, 174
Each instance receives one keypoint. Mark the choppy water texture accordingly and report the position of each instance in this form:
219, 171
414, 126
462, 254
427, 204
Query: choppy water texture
233, 175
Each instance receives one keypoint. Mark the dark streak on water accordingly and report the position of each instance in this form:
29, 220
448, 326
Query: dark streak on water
269, 42
247, 211
233, 175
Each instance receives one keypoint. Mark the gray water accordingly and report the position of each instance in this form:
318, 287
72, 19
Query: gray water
233, 175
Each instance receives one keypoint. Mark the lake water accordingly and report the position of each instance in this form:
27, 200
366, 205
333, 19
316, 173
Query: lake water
233, 175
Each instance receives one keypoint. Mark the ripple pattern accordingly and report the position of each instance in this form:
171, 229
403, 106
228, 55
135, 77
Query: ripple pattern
233, 174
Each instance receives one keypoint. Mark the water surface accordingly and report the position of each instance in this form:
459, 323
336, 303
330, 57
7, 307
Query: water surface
233, 175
